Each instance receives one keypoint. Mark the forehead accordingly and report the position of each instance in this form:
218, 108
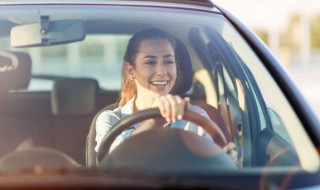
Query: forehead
156, 46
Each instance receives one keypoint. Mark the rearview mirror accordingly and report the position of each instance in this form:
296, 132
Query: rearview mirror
46, 33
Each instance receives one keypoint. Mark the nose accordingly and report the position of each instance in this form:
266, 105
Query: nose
161, 69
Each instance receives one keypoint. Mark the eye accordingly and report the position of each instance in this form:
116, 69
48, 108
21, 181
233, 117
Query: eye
168, 62
151, 62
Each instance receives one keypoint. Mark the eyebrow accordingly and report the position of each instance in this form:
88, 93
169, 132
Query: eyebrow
169, 55
150, 56
154, 57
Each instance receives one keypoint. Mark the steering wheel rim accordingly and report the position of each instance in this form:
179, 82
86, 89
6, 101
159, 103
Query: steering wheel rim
208, 125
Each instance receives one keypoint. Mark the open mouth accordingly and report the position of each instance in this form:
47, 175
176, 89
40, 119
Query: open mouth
159, 83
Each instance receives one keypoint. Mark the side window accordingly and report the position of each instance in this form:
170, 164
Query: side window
278, 126
275, 121
265, 112
283, 132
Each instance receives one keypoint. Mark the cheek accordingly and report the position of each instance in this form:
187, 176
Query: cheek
173, 71
144, 74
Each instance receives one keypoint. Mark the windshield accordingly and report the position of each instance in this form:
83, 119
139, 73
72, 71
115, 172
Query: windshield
63, 82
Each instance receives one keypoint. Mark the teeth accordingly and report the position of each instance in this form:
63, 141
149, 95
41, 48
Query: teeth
159, 83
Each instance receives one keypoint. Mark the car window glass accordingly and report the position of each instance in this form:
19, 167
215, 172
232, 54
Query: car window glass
286, 124
245, 94
99, 57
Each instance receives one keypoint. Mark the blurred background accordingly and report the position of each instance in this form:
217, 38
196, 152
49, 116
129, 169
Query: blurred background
291, 29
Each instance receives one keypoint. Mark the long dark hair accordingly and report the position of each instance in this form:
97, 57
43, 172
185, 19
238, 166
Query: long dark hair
129, 88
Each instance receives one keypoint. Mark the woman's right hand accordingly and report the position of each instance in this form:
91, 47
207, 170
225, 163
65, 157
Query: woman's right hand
171, 107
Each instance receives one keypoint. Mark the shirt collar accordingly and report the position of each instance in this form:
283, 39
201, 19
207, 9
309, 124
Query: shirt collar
127, 109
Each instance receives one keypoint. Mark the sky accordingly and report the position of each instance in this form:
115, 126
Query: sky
273, 15
268, 13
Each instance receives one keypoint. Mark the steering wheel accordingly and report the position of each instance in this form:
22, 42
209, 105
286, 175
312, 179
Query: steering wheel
208, 125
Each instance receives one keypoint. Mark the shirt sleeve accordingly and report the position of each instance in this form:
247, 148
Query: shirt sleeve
105, 121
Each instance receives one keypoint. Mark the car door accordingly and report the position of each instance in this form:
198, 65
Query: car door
257, 130
233, 97
273, 146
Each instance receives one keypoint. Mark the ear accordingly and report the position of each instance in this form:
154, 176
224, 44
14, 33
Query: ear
130, 71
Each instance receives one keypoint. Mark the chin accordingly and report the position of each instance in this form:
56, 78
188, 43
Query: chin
158, 94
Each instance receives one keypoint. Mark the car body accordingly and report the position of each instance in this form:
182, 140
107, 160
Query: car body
61, 64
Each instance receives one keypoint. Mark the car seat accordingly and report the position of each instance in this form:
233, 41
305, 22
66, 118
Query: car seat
73, 102
16, 134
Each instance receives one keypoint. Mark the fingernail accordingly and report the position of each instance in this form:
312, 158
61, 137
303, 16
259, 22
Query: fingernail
179, 117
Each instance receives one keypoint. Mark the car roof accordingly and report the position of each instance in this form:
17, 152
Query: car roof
202, 3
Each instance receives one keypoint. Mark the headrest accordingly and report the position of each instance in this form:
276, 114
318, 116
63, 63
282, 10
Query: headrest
185, 73
18, 78
74, 96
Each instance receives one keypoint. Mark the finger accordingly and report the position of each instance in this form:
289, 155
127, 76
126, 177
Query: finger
231, 145
159, 104
187, 102
167, 108
234, 155
180, 107
175, 106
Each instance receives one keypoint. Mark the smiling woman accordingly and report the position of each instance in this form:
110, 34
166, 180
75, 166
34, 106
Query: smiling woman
149, 74
150, 53
200, 100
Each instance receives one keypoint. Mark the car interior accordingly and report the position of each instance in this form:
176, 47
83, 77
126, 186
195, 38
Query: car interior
211, 73
66, 115
63, 115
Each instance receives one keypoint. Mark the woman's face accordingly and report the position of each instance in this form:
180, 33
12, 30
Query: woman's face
155, 70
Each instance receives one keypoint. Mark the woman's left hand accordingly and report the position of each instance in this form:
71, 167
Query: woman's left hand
231, 149
171, 107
